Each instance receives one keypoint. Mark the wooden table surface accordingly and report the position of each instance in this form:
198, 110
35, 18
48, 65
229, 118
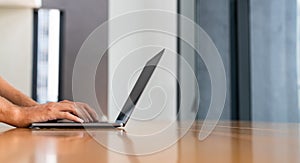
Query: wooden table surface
230, 142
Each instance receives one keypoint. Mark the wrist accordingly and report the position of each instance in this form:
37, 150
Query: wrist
15, 113
22, 117
11, 115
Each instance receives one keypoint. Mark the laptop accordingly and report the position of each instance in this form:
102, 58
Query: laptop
127, 109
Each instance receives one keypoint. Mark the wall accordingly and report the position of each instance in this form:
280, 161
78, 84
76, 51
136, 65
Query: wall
80, 19
16, 26
189, 97
125, 58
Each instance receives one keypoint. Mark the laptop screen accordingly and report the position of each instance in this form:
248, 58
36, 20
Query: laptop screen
138, 88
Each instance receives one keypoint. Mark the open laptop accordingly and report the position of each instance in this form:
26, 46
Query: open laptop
127, 109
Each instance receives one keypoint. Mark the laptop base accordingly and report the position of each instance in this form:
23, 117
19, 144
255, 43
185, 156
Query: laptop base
73, 125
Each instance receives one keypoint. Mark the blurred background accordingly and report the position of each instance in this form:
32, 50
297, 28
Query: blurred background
258, 42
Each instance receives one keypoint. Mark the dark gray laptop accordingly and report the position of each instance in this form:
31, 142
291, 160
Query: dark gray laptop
127, 109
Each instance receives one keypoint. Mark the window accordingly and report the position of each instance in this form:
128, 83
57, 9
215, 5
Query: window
47, 52
259, 42
273, 57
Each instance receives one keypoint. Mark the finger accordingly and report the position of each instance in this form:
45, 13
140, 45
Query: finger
82, 115
79, 111
69, 116
83, 110
86, 111
67, 107
90, 111
57, 107
66, 101
85, 115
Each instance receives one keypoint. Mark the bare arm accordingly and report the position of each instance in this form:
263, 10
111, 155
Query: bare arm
19, 110
24, 116
15, 96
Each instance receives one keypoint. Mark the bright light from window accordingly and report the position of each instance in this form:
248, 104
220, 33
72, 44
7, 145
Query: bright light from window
48, 55
53, 55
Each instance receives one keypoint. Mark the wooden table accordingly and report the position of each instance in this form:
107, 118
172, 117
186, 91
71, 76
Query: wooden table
230, 142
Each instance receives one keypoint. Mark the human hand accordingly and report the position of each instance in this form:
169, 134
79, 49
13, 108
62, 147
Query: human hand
84, 111
74, 111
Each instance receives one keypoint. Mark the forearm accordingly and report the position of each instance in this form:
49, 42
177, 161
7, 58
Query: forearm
15, 96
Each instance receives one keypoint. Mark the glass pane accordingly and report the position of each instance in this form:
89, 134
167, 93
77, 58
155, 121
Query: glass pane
274, 60
214, 17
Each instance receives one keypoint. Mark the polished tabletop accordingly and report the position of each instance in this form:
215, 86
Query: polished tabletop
230, 142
